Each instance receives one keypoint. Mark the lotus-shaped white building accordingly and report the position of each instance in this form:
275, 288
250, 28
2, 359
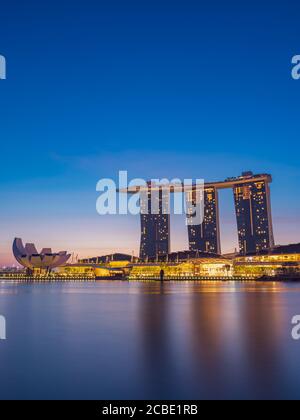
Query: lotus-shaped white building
30, 258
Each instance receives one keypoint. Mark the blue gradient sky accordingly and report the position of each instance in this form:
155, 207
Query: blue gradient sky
182, 89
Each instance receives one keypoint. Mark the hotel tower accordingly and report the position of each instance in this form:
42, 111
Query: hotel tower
206, 236
253, 215
155, 222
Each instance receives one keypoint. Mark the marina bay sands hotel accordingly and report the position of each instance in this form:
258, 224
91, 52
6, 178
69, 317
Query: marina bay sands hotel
253, 215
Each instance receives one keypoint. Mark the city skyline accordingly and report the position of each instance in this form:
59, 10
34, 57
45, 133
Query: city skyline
178, 224
253, 213
205, 92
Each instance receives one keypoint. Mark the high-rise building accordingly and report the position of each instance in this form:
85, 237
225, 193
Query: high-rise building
252, 206
253, 213
155, 222
205, 236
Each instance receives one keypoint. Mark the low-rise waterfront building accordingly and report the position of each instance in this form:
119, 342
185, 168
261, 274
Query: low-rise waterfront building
191, 269
274, 264
112, 259
94, 271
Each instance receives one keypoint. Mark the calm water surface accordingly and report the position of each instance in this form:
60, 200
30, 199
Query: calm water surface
118, 340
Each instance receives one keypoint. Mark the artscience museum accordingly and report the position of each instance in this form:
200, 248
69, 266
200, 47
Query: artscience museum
32, 260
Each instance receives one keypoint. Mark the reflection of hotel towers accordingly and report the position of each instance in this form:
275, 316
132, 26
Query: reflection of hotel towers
155, 228
253, 215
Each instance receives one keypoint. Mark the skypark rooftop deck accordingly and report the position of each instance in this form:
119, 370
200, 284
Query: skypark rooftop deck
219, 185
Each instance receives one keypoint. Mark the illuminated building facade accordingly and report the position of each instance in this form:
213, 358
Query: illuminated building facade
190, 269
283, 261
253, 215
206, 236
92, 271
155, 223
